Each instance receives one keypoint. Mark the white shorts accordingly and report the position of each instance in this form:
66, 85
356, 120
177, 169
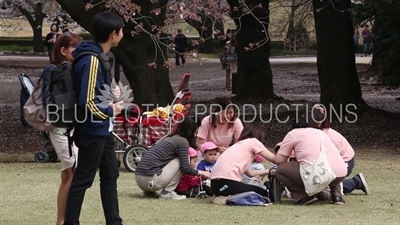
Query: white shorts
60, 144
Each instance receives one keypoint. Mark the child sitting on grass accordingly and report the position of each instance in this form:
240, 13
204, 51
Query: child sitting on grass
209, 153
190, 185
255, 165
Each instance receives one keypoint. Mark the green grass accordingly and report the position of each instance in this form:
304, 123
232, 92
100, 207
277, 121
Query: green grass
16, 48
28, 196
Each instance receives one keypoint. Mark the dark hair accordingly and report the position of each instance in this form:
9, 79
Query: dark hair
65, 40
197, 119
54, 24
223, 104
186, 129
315, 118
104, 24
300, 123
326, 123
228, 31
253, 130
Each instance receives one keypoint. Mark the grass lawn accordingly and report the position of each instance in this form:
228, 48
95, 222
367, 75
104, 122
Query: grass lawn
28, 196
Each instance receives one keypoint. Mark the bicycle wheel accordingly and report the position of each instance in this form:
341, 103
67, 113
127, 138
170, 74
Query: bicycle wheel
133, 155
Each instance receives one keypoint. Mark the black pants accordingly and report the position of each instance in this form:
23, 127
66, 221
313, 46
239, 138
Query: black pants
94, 152
179, 54
234, 187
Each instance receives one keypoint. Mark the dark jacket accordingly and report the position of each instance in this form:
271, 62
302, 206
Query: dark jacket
49, 44
89, 78
180, 43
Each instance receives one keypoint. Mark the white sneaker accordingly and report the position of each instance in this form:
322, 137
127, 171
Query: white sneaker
172, 195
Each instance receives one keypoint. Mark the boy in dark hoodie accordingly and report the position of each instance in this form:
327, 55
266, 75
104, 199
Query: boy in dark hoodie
92, 133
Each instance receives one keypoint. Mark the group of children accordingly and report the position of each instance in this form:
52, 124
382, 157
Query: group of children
194, 186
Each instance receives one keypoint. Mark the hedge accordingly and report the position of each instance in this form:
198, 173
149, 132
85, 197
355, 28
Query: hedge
27, 41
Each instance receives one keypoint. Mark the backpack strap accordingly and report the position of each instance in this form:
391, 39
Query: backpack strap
103, 58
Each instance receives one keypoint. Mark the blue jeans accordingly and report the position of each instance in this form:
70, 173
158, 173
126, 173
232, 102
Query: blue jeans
352, 184
366, 48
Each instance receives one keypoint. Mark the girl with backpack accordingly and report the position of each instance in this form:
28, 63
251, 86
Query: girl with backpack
61, 51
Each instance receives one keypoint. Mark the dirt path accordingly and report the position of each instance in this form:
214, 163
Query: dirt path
296, 83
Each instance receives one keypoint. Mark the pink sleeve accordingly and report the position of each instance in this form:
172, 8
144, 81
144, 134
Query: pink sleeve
347, 151
287, 145
204, 128
237, 129
257, 146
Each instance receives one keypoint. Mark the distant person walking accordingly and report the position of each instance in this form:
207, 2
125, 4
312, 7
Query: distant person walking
180, 48
51, 38
367, 35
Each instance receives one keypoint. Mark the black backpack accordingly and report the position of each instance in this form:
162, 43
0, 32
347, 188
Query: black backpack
62, 101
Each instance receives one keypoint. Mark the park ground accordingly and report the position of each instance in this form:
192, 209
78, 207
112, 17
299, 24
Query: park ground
296, 82
28, 190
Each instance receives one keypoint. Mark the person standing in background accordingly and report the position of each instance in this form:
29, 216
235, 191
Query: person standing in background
180, 48
51, 38
367, 34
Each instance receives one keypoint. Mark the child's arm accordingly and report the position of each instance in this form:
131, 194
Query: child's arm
252, 173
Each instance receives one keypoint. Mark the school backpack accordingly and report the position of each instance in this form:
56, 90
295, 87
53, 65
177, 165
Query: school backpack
62, 100
249, 198
34, 113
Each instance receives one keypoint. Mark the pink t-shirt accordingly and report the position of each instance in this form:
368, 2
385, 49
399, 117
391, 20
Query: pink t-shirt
306, 144
237, 159
222, 135
341, 143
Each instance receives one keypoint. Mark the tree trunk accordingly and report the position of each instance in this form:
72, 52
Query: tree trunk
253, 66
150, 85
38, 45
36, 24
205, 30
336, 65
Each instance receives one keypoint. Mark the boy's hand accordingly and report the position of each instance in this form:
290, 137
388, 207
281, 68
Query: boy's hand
116, 92
117, 107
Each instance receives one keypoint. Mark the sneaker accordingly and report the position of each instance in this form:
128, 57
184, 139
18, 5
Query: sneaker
172, 195
363, 184
149, 194
307, 200
220, 200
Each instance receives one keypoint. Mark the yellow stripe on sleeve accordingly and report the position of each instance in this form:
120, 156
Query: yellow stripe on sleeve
94, 65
